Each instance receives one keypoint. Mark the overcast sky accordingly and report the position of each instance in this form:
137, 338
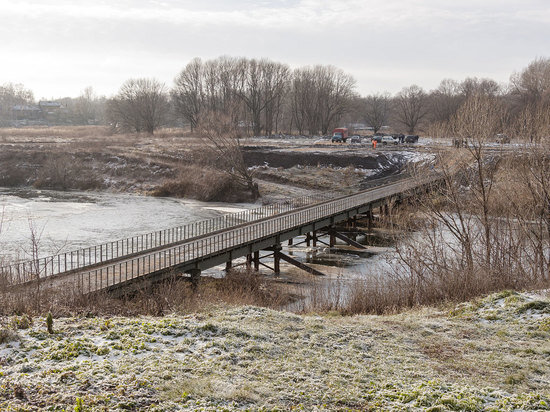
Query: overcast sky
59, 47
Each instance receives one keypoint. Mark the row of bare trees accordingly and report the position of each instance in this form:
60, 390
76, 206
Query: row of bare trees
263, 96
414, 109
260, 96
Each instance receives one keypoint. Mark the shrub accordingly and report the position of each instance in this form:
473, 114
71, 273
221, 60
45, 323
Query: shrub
8, 335
49, 323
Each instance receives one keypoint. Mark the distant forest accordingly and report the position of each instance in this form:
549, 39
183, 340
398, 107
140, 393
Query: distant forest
263, 97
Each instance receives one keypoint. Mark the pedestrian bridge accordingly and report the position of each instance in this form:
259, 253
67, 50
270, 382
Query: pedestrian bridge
208, 243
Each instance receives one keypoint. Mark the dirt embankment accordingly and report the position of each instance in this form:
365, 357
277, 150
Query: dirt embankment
64, 170
287, 159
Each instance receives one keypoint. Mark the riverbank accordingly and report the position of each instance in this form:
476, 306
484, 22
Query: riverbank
487, 354
175, 163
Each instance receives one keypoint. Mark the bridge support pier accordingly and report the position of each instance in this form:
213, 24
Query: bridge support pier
349, 241
369, 220
277, 259
256, 261
195, 278
278, 256
332, 240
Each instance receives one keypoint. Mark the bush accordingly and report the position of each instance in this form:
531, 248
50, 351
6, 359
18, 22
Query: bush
8, 335
202, 183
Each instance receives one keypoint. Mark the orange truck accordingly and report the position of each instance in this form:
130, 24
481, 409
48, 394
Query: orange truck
340, 134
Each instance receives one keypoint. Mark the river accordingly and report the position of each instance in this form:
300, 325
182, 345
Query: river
64, 221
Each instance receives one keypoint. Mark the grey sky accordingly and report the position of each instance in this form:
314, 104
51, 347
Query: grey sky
58, 47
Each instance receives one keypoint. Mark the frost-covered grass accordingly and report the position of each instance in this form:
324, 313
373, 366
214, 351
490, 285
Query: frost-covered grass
489, 354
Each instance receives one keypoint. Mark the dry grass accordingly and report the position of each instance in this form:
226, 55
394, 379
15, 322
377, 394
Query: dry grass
79, 132
201, 183
175, 295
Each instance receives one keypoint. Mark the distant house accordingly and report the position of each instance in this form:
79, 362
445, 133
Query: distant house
49, 107
52, 112
26, 112
45, 113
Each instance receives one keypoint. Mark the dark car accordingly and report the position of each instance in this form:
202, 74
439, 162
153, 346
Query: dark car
399, 137
355, 139
410, 138
377, 137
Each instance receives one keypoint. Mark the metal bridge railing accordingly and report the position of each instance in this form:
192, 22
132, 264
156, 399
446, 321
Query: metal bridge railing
111, 275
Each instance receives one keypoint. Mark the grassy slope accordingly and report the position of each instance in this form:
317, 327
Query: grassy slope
492, 354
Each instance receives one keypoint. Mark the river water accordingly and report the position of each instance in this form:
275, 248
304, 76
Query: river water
64, 221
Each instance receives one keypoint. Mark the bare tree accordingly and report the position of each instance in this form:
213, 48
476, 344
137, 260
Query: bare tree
474, 86
532, 123
445, 101
477, 122
88, 107
223, 138
376, 110
304, 101
211, 86
321, 95
140, 105
411, 107
223, 78
336, 91
264, 86
13, 95
276, 77
188, 93
532, 85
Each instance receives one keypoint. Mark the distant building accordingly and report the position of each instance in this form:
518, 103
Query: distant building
26, 112
46, 112
49, 107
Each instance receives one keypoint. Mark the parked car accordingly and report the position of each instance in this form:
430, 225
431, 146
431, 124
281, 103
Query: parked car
389, 140
411, 138
337, 138
399, 137
355, 139
377, 137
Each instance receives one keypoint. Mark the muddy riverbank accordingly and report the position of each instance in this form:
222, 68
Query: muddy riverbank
90, 159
